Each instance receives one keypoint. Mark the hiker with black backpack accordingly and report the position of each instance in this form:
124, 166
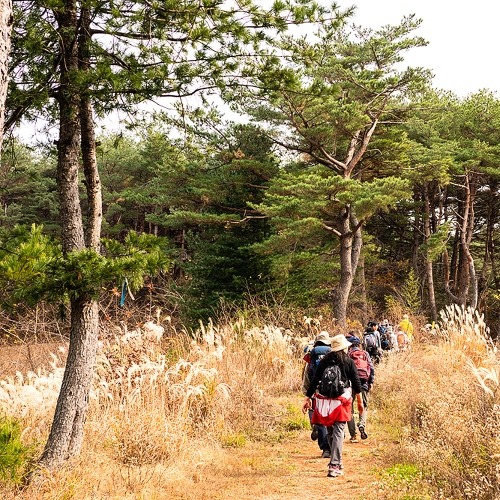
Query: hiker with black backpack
337, 381
371, 342
313, 355
366, 373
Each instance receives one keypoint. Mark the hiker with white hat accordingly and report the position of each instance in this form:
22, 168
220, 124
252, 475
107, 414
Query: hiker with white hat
337, 381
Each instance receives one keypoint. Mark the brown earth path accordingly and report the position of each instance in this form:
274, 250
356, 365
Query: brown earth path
289, 470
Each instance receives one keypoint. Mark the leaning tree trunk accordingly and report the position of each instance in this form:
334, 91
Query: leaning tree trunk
66, 435
5, 32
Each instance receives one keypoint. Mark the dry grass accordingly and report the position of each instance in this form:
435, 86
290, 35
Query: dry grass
161, 405
442, 399
167, 409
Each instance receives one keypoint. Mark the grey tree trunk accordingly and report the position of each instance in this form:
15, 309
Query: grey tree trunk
88, 142
428, 261
350, 249
5, 32
66, 435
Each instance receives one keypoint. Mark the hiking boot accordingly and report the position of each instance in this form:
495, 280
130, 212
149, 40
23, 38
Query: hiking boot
334, 471
364, 435
353, 439
326, 454
314, 433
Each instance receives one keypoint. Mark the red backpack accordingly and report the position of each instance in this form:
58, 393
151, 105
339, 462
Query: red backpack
360, 359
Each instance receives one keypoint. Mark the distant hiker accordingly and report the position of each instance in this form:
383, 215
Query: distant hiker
393, 339
382, 326
351, 334
385, 339
313, 355
366, 373
337, 381
407, 327
371, 342
402, 340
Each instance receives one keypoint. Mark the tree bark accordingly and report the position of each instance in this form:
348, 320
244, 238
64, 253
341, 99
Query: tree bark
88, 142
66, 435
5, 33
351, 242
428, 261
362, 282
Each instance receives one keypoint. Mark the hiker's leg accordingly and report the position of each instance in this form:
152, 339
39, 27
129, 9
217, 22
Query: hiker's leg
336, 433
322, 438
365, 396
351, 425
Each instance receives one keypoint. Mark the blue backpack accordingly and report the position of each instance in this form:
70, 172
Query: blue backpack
316, 354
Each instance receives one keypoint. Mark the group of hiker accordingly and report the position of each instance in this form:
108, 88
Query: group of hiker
380, 338
338, 376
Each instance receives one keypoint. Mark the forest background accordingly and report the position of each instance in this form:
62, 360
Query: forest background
349, 190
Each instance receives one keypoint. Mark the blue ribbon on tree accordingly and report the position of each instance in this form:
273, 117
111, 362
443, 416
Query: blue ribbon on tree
124, 292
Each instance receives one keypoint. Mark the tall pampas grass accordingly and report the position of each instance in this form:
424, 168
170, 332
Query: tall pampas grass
162, 401
442, 405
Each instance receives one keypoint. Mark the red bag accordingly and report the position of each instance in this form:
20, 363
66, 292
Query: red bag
360, 359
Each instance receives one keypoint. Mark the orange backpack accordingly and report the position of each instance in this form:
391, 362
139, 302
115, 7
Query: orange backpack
401, 340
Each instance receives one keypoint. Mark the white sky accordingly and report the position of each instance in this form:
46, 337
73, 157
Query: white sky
462, 36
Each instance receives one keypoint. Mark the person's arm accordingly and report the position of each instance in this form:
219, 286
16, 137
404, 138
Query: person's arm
360, 404
371, 378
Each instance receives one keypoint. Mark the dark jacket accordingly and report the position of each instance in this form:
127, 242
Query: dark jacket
348, 371
319, 350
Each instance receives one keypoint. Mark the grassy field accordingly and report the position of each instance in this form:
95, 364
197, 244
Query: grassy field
219, 417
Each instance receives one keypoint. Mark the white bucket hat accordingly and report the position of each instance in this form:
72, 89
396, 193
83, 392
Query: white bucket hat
324, 337
339, 343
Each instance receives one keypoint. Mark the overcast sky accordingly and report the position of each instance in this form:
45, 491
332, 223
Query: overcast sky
463, 38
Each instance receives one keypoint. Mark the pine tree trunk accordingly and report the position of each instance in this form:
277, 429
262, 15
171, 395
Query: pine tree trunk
350, 249
5, 33
88, 142
66, 435
428, 261
362, 282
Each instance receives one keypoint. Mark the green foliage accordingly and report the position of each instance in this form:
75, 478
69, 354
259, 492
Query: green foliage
294, 419
14, 455
410, 292
233, 440
305, 208
27, 186
33, 267
140, 50
437, 242
407, 480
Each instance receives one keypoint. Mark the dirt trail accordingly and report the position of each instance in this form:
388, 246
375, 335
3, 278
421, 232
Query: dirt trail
290, 470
